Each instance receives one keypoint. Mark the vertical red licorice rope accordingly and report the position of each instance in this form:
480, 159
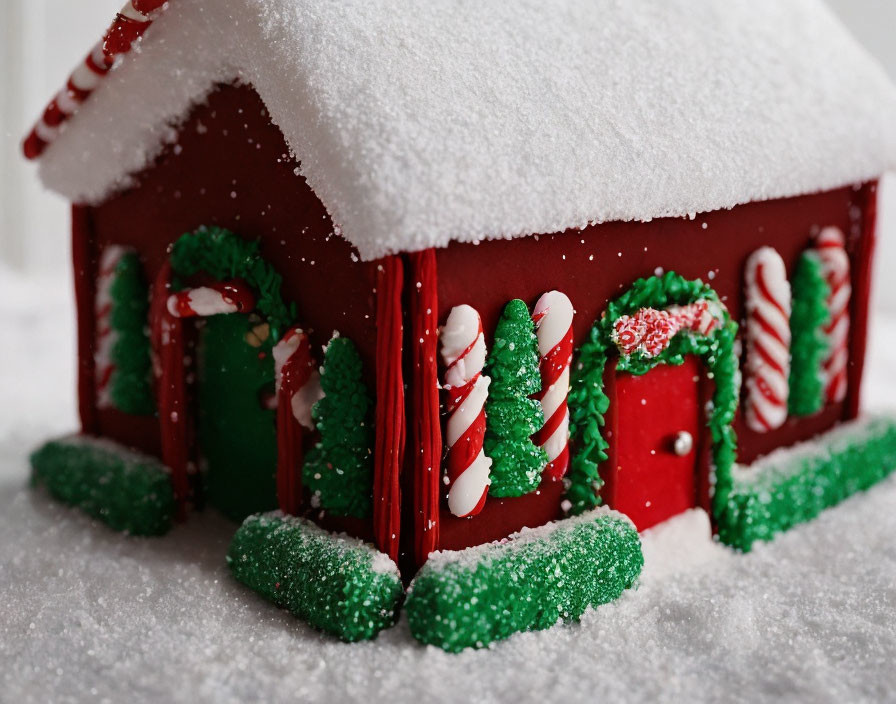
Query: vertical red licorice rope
390, 411
169, 350
426, 442
296, 373
84, 264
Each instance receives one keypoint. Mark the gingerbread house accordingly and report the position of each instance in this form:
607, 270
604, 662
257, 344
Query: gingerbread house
432, 274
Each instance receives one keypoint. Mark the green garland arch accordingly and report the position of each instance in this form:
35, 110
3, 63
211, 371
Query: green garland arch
225, 255
588, 402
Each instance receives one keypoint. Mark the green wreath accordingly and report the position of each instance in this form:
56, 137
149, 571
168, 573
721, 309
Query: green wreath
224, 255
588, 402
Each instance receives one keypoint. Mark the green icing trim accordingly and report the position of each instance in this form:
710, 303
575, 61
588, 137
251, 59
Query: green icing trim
794, 485
224, 255
511, 416
131, 384
588, 402
809, 344
335, 583
124, 489
339, 469
470, 598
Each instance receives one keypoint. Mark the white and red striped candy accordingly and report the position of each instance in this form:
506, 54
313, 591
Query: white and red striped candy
831, 247
295, 349
129, 25
649, 331
214, 299
463, 352
767, 300
106, 336
553, 317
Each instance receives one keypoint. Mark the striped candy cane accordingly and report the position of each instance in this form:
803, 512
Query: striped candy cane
298, 389
214, 299
830, 245
463, 352
768, 340
129, 25
106, 336
553, 326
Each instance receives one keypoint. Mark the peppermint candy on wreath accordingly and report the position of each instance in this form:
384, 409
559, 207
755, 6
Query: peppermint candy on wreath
649, 331
831, 247
106, 337
767, 303
553, 317
463, 352
216, 299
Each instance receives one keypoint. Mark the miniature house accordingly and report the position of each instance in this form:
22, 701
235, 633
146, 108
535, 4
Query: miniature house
698, 180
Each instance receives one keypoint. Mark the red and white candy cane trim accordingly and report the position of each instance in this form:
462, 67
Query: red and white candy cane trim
296, 375
215, 299
298, 389
553, 316
129, 25
831, 247
463, 352
106, 336
768, 340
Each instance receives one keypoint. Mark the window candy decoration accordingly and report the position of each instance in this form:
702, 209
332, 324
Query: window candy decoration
649, 331
218, 298
831, 247
768, 305
553, 316
106, 336
463, 353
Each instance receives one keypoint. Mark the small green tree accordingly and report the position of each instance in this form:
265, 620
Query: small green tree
808, 342
131, 384
511, 416
338, 470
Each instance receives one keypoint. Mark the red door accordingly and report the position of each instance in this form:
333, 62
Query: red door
655, 425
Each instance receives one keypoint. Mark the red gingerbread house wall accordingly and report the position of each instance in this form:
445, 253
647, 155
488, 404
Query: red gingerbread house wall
231, 168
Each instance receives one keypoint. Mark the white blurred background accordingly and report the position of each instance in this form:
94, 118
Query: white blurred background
42, 40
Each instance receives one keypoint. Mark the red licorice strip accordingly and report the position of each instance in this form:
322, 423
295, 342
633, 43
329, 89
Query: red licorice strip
425, 426
390, 411
167, 337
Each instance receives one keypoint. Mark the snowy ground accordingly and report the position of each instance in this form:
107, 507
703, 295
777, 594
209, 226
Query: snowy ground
86, 614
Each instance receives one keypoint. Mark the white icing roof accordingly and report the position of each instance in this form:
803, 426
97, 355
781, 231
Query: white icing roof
418, 122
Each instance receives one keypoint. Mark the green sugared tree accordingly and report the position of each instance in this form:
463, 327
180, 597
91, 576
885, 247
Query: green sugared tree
511, 415
338, 470
131, 384
808, 343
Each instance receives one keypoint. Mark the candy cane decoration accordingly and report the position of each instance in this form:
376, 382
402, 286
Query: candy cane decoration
768, 340
463, 352
129, 25
298, 389
215, 299
553, 327
830, 245
106, 336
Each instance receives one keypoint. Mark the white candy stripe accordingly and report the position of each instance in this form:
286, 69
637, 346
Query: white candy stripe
555, 444
555, 313
463, 352
556, 394
465, 493
304, 399
831, 248
133, 14
84, 78
106, 337
767, 304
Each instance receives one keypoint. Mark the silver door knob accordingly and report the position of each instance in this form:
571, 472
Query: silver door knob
683, 443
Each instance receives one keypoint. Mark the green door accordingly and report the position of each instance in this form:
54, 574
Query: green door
237, 433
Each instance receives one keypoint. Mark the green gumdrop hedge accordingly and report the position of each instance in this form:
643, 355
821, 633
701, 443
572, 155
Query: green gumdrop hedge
128, 491
809, 345
794, 485
337, 584
473, 597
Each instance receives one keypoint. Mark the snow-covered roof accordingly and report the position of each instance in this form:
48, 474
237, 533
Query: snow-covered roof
420, 122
